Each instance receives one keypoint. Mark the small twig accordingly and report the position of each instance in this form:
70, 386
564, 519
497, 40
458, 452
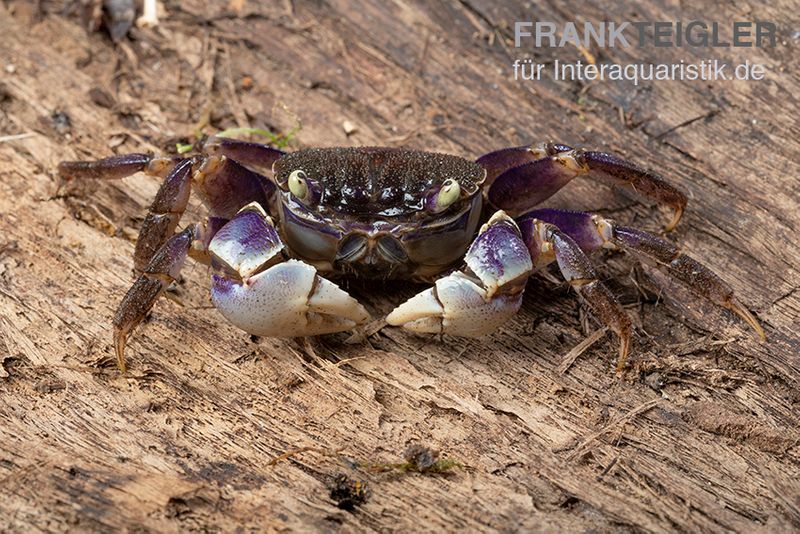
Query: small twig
16, 137
149, 16
293, 452
619, 421
579, 349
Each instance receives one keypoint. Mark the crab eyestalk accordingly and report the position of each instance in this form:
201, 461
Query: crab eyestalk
303, 188
442, 196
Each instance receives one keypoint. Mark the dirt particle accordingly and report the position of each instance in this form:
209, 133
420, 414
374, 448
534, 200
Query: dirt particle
347, 493
421, 458
349, 128
50, 385
101, 97
61, 122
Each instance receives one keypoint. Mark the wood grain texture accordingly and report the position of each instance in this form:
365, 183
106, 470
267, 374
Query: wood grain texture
700, 434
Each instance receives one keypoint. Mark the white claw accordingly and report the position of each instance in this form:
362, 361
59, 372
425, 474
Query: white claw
458, 306
287, 300
419, 306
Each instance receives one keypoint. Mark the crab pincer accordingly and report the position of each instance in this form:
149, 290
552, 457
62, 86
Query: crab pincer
478, 299
259, 291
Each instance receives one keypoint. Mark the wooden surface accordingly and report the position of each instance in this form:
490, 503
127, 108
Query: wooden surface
699, 434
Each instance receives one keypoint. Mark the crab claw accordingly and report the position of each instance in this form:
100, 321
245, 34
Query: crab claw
265, 296
287, 300
476, 302
456, 305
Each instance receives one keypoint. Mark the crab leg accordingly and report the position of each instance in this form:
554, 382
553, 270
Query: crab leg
478, 299
261, 293
224, 184
245, 152
116, 167
592, 232
167, 207
157, 275
520, 178
164, 214
547, 243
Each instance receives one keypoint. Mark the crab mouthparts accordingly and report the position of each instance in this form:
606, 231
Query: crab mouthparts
360, 250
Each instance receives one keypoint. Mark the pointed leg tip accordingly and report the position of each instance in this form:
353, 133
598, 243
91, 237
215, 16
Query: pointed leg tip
119, 349
747, 317
624, 351
676, 218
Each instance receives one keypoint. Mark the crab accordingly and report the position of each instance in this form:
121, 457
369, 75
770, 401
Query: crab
283, 227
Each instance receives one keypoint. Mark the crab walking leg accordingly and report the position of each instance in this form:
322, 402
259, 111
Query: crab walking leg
261, 293
160, 272
245, 152
547, 243
164, 214
592, 232
117, 167
224, 185
168, 206
478, 299
520, 178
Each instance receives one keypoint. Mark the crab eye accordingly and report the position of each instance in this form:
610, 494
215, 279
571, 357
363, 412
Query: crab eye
297, 184
448, 194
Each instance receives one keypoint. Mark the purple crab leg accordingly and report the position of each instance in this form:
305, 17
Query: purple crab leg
224, 185
168, 206
164, 214
482, 296
157, 275
245, 152
592, 232
116, 167
547, 243
519, 178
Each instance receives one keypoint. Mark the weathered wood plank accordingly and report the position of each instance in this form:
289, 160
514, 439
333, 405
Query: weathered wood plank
701, 434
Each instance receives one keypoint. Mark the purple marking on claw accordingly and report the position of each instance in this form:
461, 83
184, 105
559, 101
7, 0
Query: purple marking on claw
222, 286
499, 255
246, 243
579, 226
